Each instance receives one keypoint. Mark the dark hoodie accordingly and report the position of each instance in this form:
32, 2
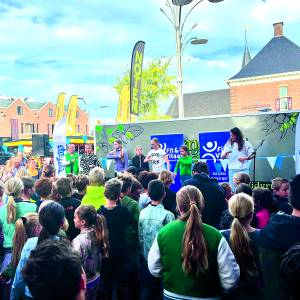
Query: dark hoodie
138, 162
281, 233
282, 204
214, 199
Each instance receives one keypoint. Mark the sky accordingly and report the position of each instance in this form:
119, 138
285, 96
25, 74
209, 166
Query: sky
81, 47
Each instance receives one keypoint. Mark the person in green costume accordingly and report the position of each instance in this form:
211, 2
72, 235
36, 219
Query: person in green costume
71, 162
184, 163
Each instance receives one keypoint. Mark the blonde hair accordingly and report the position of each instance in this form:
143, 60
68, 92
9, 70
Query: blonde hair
278, 182
190, 202
96, 176
25, 229
166, 177
22, 172
13, 188
241, 207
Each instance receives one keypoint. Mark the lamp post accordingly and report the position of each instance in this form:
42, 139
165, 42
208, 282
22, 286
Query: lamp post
179, 25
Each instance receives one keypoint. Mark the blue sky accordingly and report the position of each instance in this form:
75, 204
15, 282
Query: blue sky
81, 47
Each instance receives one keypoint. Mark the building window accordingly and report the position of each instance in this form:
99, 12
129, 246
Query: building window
22, 128
77, 114
86, 129
37, 128
50, 112
52, 128
78, 128
33, 127
284, 102
28, 128
283, 91
19, 110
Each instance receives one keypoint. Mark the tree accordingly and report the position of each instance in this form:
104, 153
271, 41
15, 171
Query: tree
156, 86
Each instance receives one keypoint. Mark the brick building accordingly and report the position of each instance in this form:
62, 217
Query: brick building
271, 80
19, 118
268, 82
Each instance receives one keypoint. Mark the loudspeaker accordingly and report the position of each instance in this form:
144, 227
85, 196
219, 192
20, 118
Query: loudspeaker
40, 145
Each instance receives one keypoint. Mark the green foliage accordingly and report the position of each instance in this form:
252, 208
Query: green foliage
289, 123
156, 87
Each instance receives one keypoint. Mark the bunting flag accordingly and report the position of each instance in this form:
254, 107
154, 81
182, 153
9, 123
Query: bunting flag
224, 163
59, 146
272, 161
108, 163
60, 107
71, 115
104, 163
279, 161
136, 77
297, 146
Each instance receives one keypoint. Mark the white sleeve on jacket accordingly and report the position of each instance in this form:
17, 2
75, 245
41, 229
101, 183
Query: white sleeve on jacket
229, 271
226, 147
249, 148
154, 263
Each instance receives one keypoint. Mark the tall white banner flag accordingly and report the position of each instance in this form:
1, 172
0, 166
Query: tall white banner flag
297, 146
59, 146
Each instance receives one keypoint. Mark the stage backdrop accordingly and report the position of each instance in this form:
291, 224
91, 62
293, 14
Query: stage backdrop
276, 157
211, 145
171, 144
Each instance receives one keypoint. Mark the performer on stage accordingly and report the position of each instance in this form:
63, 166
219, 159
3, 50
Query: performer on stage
184, 163
119, 155
88, 160
71, 160
158, 157
238, 152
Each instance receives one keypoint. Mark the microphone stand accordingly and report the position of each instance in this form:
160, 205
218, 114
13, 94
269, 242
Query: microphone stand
253, 156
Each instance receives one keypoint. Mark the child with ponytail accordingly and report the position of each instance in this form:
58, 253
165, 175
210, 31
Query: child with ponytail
9, 213
193, 258
27, 227
243, 240
92, 244
51, 218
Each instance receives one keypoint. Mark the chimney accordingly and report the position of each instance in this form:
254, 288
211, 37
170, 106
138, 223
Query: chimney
278, 29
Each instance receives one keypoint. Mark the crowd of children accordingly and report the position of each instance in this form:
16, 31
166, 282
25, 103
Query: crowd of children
137, 239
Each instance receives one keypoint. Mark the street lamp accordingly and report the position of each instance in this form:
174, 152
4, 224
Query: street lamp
195, 41
178, 25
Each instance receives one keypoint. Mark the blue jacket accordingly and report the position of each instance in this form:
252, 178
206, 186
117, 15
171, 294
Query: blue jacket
151, 220
19, 287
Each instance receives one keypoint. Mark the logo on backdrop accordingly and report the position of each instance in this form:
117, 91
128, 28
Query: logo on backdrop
173, 152
211, 145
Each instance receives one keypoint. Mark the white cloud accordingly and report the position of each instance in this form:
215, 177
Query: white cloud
53, 46
273, 11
